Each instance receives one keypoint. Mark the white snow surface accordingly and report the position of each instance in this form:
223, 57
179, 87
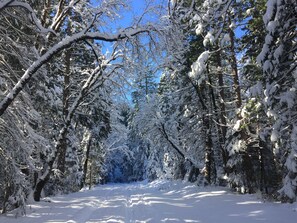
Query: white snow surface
159, 201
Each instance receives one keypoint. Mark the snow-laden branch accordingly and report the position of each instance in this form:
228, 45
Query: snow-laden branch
95, 76
65, 43
5, 3
27, 7
60, 15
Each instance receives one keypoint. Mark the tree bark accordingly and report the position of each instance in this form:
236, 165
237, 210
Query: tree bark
222, 97
208, 145
85, 168
223, 115
63, 133
64, 44
39, 187
236, 84
66, 95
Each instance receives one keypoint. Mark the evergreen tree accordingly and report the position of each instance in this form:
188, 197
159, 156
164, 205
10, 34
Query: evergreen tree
278, 60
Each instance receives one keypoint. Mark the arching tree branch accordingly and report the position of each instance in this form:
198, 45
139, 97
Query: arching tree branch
64, 44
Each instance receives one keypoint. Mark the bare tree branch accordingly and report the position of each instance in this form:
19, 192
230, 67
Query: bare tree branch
27, 7
64, 44
5, 3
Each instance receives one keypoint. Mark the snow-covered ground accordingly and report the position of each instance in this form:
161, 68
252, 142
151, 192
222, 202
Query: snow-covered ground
155, 202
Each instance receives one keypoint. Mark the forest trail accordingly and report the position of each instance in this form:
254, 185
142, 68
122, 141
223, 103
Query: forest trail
159, 201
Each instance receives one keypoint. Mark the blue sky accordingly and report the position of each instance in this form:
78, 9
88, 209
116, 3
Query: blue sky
137, 7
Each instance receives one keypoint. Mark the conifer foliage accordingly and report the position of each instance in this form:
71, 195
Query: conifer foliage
59, 62
213, 97
225, 105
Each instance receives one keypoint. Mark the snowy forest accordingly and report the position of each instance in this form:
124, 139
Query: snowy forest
199, 90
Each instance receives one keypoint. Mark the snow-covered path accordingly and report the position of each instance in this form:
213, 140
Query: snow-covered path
156, 202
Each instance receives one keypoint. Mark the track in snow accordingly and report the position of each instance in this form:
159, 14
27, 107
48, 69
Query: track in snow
155, 202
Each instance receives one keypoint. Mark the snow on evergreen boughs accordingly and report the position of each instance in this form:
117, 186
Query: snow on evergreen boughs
199, 67
279, 67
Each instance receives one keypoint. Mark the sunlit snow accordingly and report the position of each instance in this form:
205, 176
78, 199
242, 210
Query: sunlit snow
159, 201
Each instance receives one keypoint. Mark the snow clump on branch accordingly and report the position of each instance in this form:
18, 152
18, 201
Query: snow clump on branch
199, 66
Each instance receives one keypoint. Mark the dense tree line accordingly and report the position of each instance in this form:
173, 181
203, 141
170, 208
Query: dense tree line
224, 110
222, 113
61, 65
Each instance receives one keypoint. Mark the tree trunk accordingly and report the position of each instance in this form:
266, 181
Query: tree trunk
223, 115
49, 167
234, 67
194, 172
39, 187
222, 97
85, 170
7, 192
210, 170
263, 186
66, 94
90, 176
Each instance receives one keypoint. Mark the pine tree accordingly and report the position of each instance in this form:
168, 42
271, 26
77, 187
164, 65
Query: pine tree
278, 60
21, 134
